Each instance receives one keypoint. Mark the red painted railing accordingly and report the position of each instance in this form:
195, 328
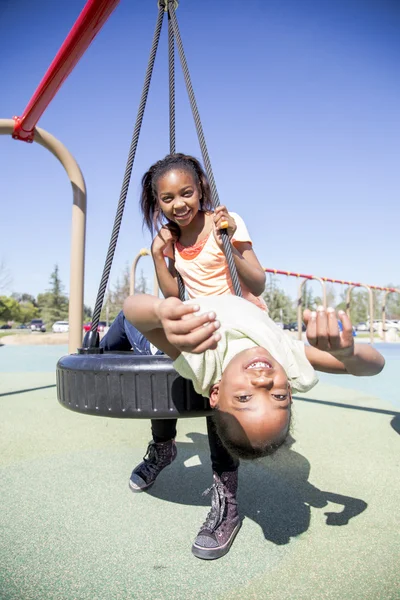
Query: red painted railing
342, 281
88, 24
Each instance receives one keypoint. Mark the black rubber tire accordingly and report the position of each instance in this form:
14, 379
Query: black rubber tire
124, 385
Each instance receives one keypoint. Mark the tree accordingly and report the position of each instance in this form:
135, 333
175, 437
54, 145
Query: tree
24, 298
27, 312
115, 297
9, 309
141, 284
359, 305
280, 306
393, 303
307, 298
87, 312
53, 304
330, 296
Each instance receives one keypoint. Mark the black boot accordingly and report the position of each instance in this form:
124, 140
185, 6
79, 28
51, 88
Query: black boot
223, 522
157, 457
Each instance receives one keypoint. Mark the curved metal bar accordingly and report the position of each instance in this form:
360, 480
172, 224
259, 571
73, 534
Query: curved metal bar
371, 306
143, 252
300, 301
385, 295
78, 228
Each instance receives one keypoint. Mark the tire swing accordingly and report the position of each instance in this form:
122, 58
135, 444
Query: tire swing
121, 384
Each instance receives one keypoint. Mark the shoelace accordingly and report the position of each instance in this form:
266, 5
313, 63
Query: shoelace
218, 503
152, 459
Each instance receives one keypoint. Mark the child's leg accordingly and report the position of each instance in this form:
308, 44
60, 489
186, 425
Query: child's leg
221, 460
116, 337
162, 450
222, 524
163, 430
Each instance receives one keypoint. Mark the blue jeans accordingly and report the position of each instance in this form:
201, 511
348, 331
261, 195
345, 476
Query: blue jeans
122, 335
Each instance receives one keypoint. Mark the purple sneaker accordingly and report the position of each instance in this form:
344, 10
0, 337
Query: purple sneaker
217, 534
157, 457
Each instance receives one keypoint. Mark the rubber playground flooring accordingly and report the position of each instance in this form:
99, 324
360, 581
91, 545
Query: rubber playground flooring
320, 519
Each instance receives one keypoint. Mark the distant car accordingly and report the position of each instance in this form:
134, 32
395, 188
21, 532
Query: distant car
294, 326
362, 327
60, 327
37, 325
280, 324
5, 326
22, 326
392, 324
101, 326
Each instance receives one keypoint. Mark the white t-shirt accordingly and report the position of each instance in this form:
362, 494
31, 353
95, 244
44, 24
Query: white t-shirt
243, 326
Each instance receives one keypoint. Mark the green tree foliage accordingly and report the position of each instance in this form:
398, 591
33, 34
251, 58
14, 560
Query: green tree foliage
53, 304
280, 306
9, 309
87, 312
28, 311
28, 308
359, 305
393, 303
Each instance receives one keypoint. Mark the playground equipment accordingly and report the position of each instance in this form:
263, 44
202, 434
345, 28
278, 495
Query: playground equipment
114, 384
143, 252
118, 384
351, 285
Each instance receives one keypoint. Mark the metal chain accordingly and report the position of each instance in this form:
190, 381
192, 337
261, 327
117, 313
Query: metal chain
128, 173
203, 147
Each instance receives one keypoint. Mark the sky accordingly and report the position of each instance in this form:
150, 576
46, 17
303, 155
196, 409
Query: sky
300, 104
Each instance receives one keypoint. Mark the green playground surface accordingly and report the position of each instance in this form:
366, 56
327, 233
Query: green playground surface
320, 518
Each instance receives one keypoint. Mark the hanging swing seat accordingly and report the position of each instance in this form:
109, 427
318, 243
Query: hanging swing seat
124, 385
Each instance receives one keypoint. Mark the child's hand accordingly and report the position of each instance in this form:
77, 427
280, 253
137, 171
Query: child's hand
186, 331
163, 238
323, 332
223, 220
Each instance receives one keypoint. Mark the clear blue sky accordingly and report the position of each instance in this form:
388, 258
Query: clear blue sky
300, 103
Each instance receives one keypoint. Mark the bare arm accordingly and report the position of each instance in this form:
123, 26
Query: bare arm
249, 270
171, 325
332, 351
166, 276
365, 361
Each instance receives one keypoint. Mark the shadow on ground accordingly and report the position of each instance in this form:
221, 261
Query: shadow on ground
274, 492
395, 422
42, 387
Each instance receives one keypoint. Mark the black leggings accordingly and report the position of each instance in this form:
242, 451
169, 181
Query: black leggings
165, 429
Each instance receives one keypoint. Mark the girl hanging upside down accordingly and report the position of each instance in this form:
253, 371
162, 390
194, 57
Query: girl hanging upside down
248, 366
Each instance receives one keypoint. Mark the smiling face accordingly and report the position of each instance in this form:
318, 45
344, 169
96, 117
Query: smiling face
254, 389
179, 196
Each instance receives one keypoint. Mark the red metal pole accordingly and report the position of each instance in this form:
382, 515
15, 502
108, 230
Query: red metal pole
88, 24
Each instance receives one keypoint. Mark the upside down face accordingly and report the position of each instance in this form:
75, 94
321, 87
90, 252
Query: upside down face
255, 390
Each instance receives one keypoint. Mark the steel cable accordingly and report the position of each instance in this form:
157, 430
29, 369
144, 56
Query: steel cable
203, 147
172, 136
127, 176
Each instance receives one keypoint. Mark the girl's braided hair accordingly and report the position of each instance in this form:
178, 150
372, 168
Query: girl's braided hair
153, 216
